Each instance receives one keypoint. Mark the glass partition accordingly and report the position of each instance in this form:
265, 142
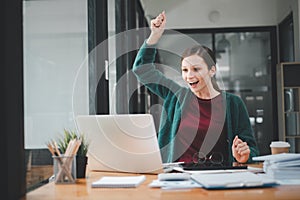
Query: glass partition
55, 48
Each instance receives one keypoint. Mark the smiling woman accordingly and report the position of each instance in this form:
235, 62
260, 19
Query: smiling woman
198, 70
200, 118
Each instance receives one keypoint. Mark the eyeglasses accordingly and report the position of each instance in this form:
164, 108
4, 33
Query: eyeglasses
214, 158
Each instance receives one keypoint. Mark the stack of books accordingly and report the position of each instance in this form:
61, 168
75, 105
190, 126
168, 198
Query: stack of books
281, 166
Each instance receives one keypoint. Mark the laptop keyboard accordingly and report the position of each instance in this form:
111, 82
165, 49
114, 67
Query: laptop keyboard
204, 166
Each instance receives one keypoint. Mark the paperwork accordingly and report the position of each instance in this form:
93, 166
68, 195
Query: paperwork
232, 180
282, 157
119, 181
169, 185
213, 179
174, 181
284, 166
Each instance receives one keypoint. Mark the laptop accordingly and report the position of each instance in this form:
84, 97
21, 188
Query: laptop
121, 143
209, 166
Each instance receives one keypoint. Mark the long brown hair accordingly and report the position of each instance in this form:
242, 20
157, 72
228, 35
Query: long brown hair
209, 57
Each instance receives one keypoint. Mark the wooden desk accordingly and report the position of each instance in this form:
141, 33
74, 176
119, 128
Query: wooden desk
82, 190
37, 175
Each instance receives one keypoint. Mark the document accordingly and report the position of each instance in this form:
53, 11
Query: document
232, 180
276, 158
119, 181
168, 185
283, 167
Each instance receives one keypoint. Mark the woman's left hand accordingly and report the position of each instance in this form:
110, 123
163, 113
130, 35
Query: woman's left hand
240, 150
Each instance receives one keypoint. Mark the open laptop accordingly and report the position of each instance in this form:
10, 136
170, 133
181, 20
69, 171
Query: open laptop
121, 143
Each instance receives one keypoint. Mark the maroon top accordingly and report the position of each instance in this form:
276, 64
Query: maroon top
194, 126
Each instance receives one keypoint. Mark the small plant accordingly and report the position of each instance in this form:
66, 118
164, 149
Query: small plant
68, 135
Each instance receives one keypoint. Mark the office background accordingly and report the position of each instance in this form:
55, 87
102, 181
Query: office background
41, 60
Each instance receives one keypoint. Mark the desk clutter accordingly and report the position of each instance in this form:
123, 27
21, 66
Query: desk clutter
283, 167
221, 179
179, 178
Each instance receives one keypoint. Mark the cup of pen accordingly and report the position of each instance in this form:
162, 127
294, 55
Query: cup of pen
64, 168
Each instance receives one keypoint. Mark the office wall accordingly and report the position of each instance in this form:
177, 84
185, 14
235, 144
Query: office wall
214, 13
227, 13
55, 49
285, 7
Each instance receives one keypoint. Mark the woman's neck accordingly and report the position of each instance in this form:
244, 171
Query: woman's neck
207, 93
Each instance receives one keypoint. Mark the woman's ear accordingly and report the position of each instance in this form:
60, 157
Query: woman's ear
212, 71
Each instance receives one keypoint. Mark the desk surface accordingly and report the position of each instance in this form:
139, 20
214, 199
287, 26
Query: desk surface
37, 174
82, 190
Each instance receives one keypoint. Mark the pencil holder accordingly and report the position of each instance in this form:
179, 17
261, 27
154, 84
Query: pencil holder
64, 168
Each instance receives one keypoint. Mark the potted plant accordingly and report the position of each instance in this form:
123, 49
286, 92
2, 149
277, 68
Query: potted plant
81, 157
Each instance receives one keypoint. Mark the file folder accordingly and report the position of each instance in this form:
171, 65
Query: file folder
233, 180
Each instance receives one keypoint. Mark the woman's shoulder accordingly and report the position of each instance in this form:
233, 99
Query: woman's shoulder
232, 97
229, 94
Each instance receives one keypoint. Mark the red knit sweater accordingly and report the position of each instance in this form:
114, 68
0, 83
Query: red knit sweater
194, 125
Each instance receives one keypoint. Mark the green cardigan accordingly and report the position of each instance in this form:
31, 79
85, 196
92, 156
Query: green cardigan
175, 97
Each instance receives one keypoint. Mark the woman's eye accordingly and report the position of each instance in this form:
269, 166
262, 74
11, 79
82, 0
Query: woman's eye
184, 70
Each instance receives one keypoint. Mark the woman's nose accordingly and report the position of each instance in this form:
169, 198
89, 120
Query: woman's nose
190, 73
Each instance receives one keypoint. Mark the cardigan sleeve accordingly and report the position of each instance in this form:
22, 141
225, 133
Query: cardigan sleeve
146, 72
242, 126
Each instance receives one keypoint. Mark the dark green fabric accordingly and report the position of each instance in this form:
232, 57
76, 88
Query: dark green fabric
175, 97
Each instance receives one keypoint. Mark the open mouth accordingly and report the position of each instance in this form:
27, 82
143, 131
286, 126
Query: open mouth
194, 83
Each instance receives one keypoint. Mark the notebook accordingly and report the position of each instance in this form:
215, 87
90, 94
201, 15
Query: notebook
121, 143
119, 181
233, 180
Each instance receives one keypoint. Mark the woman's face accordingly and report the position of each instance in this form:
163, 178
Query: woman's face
196, 74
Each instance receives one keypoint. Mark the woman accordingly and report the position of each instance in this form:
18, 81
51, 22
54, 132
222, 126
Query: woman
198, 121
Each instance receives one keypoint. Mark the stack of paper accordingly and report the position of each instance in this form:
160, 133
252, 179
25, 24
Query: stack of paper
119, 181
281, 166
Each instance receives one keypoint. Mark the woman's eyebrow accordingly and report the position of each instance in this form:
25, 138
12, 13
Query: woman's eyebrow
197, 65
